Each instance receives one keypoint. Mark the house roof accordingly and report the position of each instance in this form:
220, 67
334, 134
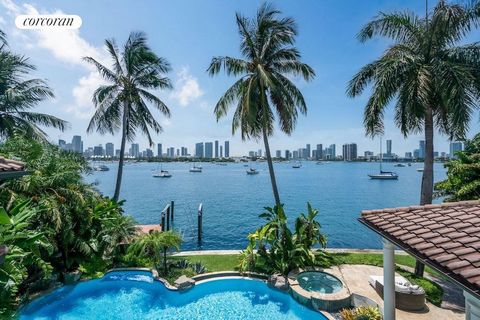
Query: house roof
11, 168
444, 236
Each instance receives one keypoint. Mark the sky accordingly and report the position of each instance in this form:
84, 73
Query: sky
188, 33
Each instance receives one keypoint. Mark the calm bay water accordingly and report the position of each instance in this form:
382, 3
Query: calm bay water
232, 200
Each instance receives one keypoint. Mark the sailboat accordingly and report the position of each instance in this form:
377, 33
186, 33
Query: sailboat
383, 175
195, 168
297, 165
162, 173
252, 171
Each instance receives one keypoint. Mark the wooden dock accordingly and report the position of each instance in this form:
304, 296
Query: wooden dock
147, 228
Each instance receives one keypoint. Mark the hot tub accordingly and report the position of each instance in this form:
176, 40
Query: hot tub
319, 281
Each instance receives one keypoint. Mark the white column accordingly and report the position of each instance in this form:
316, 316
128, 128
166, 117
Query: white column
388, 281
472, 307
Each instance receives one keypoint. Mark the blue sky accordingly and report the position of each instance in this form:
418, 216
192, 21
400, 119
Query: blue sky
189, 33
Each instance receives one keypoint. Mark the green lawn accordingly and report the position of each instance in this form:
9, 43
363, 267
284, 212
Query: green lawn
433, 292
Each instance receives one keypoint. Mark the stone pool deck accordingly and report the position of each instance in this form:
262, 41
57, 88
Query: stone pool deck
356, 278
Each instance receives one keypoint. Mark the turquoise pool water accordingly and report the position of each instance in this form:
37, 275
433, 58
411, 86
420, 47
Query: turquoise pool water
318, 281
135, 295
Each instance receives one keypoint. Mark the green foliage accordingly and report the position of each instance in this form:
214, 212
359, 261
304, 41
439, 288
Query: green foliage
463, 175
280, 250
155, 245
361, 313
19, 95
24, 246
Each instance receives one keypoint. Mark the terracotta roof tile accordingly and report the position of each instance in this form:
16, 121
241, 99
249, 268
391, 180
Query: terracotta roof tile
445, 235
10, 165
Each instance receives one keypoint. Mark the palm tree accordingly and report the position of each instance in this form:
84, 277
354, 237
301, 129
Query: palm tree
155, 246
19, 95
122, 104
264, 90
433, 79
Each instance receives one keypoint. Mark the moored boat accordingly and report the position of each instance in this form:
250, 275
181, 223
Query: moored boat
162, 174
252, 171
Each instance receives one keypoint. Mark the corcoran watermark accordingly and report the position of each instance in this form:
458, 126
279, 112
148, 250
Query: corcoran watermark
48, 21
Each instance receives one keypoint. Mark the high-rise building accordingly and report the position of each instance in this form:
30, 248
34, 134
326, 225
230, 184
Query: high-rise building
216, 148
416, 154
287, 154
259, 153
278, 153
319, 152
98, 151
184, 152
159, 150
77, 144
62, 144
149, 153
307, 151
330, 152
368, 155
199, 150
227, 149
88, 153
455, 146
408, 155
251, 154
109, 149
178, 152
208, 150
295, 154
421, 149
349, 151
117, 153
134, 150
221, 151
389, 148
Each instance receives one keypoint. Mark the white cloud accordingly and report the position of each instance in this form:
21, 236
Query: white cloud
187, 89
83, 107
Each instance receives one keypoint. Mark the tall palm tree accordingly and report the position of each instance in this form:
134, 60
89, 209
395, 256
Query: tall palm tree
19, 95
122, 104
433, 79
264, 90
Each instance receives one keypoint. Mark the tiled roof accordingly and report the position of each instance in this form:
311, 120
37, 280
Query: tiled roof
445, 236
7, 165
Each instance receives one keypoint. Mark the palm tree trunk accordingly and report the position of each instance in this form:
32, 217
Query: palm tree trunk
270, 168
165, 261
427, 177
118, 184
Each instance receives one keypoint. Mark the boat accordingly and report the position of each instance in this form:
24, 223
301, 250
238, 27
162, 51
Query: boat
319, 162
252, 171
409, 164
420, 169
196, 168
297, 165
101, 167
383, 175
162, 174
400, 165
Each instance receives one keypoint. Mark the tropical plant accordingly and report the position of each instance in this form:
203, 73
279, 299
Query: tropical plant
361, 313
463, 175
122, 104
23, 251
18, 95
264, 91
274, 248
428, 71
155, 246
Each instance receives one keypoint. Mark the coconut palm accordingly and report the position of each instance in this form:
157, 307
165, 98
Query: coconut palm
122, 104
19, 95
264, 92
431, 77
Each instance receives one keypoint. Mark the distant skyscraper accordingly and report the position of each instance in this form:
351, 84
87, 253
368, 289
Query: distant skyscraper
159, 150
408, 155
77, 144
221, 151
455, 147
368, 155
216, 148
389, 148
416, 153
319, 153
349, 151
172, 152
279, 153
109, 150
199, 150
287, 154
117, 152
98, 151
421, 149
295, 154
149, 153
259, 153
208, 150
62, 144
227, 149
330, 152
135, 150
251, 154
307, 151
184, 152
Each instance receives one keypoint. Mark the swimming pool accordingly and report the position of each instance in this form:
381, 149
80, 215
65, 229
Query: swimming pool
132, 295
318, 281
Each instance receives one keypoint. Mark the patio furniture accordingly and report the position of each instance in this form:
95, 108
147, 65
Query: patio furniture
408, 297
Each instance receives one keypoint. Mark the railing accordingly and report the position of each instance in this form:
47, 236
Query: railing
167, 215
199, 222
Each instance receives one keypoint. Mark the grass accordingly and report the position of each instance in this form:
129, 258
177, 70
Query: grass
434, 292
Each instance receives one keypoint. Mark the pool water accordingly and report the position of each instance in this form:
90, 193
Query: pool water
317, 281
135, 295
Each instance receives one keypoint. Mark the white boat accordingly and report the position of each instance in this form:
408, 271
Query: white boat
383, 175
196, 168
400, 165
297, 165
319, 162
101, 167
162, 174
420, 169
252, 171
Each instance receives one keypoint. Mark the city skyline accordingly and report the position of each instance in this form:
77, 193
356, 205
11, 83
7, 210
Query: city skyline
332, 116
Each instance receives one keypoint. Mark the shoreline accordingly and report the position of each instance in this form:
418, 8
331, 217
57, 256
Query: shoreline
228, 252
